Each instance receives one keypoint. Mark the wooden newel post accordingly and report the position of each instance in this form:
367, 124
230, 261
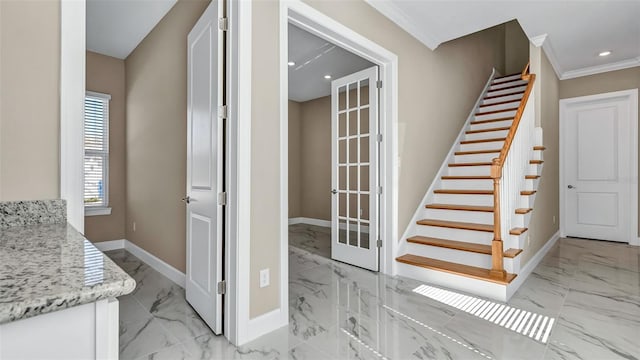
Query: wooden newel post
497, 261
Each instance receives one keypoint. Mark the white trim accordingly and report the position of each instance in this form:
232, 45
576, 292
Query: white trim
538, 40
632, 94
531, 265
310, 221
98, 95
597, 69
156, 263
96, 210
238, 230
266, 323
72, 92
110, 245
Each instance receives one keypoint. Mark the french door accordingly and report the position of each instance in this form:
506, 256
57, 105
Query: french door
354, 175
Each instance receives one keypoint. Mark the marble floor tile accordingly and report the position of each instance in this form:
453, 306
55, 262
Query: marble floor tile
314, 239
540, 294
144, 338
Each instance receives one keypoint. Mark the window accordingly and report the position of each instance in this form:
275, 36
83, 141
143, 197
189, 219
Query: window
96, 153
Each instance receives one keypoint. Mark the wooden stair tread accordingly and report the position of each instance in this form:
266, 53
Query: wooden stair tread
528, 192
500, 103
481, 140
463, 192
469, 164
477, 152
460, 207
476, 122
536, 161
488, 130
460, 245
497, 96
518, 231
532, 177
539, 148
523, 210
456, 225
507, 88
496, 111
469, 177
454, 268
506, 76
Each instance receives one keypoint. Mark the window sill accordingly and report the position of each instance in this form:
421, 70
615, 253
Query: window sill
97, 211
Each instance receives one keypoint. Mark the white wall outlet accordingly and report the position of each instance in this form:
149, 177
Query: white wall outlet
264, 278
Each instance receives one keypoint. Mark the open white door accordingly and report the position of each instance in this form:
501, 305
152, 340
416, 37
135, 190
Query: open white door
354, 173
204, 168
598, 170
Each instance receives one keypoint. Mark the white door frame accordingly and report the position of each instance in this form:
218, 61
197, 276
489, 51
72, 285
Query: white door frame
632, 95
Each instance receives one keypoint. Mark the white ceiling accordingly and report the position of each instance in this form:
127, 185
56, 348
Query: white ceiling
577, 30
116, 27
315, 58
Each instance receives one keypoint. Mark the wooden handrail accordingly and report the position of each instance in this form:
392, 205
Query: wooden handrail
497, 260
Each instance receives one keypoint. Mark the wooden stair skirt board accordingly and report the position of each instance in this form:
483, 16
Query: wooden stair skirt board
477, 122
454, 268
528, 192
456, 225
460, 207
460, 245
497, 96
481, 140
534, 162
532, 177
463, 192
518, 231
487, 130
539, 148
522, 211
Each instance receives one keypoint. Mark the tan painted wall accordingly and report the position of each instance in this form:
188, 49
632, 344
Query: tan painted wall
295, 158
601, 83
546, 207
437, 90
516, 54
106, 74
29, 69
156, 133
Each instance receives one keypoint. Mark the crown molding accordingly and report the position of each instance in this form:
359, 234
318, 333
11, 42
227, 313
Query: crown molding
538, 40
598, 69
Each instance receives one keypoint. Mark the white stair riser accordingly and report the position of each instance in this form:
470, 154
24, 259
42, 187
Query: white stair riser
537, 155
517, 97
506, 79
477, 217
491, 125
535, 169
503, 85
470, 170
477, 237
490, 145
472, 158
510, 105
526, 201
487, 135
462, 283
456, 256
467, 184
498, 115
507, 91
479, 200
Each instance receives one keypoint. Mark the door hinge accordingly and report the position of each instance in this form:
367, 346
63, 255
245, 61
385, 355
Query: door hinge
379, 243
222, 112
379, 189
222, 287
223, 24
379, 137
222, 198
379, 84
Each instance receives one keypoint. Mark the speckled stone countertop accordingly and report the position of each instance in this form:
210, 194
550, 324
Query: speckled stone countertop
49, 267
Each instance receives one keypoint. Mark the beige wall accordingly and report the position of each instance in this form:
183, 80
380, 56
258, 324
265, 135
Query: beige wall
601, 83
156, 134
29, 71
546, 207
295, 158
516, 54
106, 74
437, 90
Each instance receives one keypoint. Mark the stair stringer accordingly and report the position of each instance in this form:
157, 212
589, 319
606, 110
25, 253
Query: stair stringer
429, 195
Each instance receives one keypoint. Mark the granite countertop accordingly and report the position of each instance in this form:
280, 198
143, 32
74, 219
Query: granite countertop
49, 267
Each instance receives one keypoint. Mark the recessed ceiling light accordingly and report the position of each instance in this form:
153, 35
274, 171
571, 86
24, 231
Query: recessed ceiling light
327, 77
605, 53
291, 63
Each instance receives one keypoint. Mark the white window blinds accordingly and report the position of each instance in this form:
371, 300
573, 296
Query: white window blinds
96, 149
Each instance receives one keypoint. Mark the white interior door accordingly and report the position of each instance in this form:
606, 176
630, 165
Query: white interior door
204, 168
354, 154
597, 167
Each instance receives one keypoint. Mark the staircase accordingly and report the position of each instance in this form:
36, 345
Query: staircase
469, 231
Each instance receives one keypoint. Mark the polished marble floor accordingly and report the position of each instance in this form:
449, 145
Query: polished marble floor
591, 288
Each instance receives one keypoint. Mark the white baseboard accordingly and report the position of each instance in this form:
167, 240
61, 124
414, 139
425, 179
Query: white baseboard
531, 265
266, 323
309, 221
156, 263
